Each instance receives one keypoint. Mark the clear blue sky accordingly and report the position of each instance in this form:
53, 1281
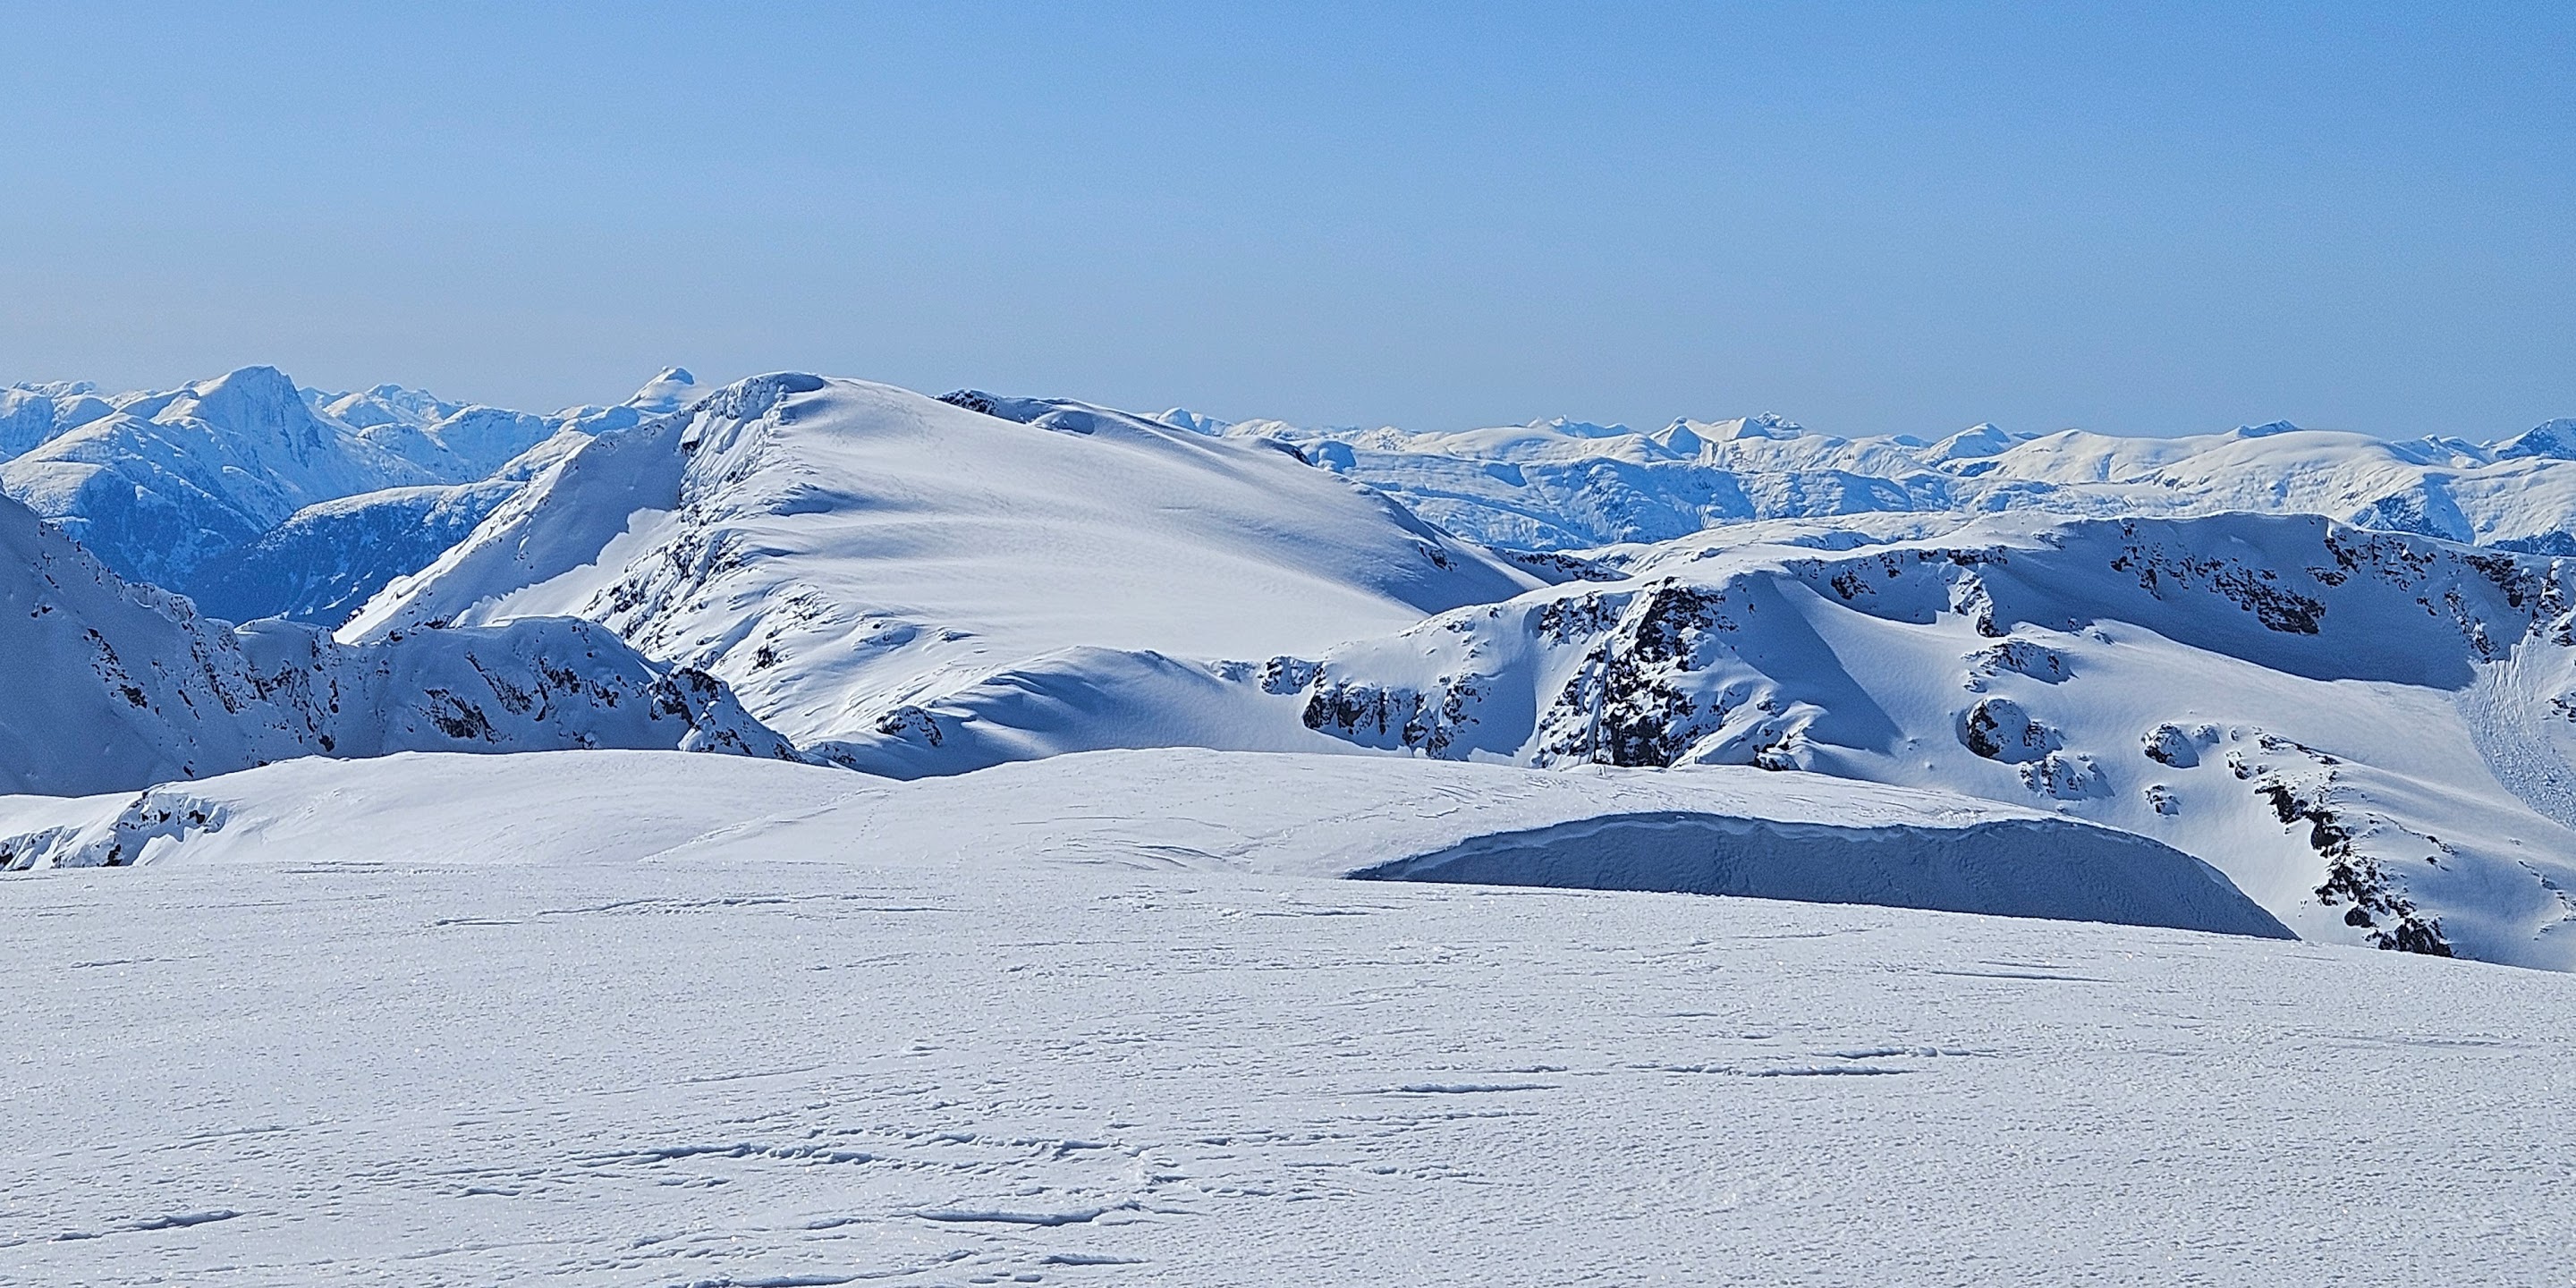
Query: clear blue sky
1871, 218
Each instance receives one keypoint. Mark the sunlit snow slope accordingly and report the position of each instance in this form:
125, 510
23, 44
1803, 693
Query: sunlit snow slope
843, 552
554, 1060
111, 686
2371, 733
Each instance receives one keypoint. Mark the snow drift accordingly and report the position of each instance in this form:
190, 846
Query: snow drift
1709, 831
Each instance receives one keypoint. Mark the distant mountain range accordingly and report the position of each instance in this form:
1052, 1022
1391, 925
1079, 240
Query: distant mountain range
2340, 670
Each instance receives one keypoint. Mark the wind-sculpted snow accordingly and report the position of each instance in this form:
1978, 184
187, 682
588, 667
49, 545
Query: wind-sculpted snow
844, 554
2367, 731
1564, 485
353, 1055
1707, 831
114, 686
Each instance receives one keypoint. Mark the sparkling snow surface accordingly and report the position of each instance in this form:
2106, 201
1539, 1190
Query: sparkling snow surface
739, 1071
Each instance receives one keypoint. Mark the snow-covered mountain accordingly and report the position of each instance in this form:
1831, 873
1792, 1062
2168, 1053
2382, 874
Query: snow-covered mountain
2360, 720
2368, 732
842, 553
2371, 733
1173, 922
160, 485
166, 480
111, 686
30, 414
2356, 725
330, 557
1568, 485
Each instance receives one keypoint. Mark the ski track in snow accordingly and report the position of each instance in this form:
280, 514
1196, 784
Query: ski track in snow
733, 1072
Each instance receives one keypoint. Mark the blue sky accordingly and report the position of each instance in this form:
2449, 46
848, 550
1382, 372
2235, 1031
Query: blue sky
1870, 218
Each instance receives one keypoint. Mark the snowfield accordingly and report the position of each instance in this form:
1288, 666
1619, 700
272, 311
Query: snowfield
1710, 831
1153, 850
329, 1060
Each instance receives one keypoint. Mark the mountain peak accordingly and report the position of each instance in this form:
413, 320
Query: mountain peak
671, 390
252, 400
2554, 439
261, 381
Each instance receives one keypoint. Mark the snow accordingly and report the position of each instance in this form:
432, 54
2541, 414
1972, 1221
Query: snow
1559, 485
329, 558
158, 484
1781, 859
326, 560
2371, 716
2374, 751
842, 552
1710, 831
114, 686
589, 1058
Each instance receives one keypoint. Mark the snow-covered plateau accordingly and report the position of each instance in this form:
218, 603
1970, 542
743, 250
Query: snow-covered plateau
463, 1020
811, 832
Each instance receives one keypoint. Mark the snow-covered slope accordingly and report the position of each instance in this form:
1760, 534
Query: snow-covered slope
2370, 733
721, 1068
168, 480
841, 552
1566, 485
110, 686
158, 484
1710, 831
329, 558
30, 414
2358, 727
